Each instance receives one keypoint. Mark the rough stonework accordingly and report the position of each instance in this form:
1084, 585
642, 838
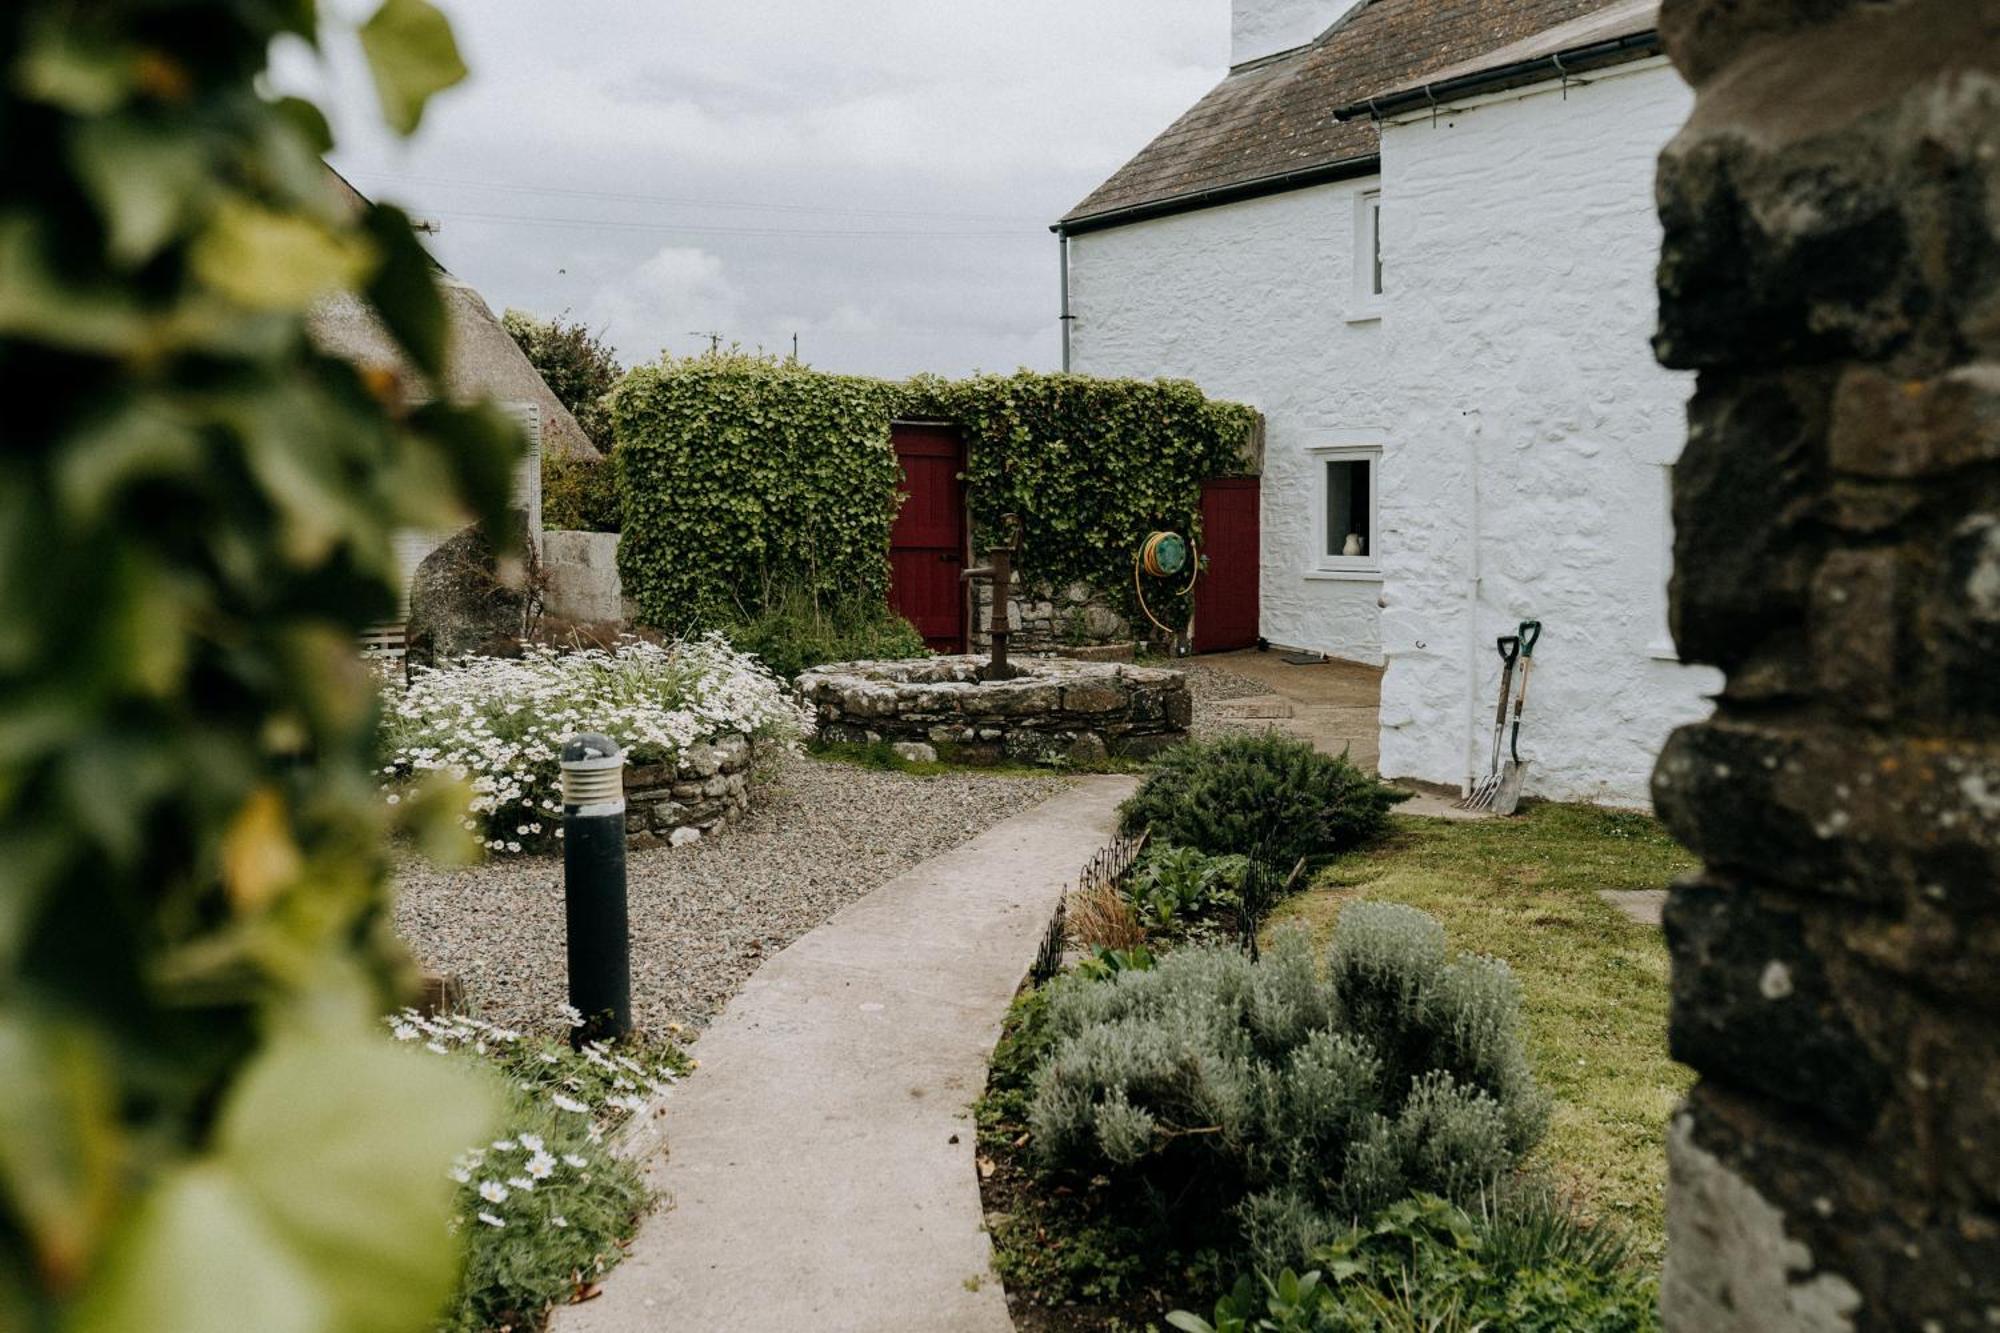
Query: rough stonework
1048, 619
674, 804
583, 585
1831, 268
467, 598
1057, 711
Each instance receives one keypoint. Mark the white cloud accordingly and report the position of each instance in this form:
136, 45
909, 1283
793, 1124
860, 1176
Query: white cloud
937, 139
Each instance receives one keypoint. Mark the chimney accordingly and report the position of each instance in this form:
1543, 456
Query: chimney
1259, 28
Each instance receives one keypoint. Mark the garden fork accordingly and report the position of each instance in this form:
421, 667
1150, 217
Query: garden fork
1483, 790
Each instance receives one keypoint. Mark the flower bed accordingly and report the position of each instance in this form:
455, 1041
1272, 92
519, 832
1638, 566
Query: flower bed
499, 723
546, 1208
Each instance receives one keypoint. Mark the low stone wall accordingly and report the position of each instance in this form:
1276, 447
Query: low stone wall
1048, 619
677, 803
1059, 710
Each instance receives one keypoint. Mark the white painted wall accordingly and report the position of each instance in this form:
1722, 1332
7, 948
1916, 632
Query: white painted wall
1252, 302
1259, 28
1521, 241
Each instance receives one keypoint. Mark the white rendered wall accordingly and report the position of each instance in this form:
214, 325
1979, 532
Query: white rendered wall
1259, 28
1521, 241
1250, 302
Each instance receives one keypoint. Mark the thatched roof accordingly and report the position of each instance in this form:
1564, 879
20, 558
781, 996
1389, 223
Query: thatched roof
485, 360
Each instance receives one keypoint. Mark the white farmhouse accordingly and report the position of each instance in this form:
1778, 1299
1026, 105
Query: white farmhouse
1419, 235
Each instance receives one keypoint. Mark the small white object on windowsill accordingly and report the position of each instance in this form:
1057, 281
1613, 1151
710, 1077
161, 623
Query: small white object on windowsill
1352, 545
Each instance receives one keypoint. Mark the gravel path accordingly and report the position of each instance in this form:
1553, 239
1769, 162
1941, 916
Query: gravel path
818, 836
1210, 685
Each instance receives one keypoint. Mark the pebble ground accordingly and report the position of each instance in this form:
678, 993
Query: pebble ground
819, 835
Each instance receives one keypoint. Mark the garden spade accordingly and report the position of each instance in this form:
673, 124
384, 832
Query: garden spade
1508, 798
1484, 789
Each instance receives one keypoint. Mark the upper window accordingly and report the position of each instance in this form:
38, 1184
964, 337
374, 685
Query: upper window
1345, 526
1368, 270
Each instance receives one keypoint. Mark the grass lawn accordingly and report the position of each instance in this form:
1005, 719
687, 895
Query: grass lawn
1595, 983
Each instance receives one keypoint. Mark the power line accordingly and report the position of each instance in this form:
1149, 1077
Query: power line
553, 190
805, 233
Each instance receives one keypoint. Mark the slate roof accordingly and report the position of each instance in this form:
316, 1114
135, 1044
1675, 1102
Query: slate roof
1270, 118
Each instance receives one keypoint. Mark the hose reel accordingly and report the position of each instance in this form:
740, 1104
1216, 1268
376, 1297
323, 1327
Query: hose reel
1165, 555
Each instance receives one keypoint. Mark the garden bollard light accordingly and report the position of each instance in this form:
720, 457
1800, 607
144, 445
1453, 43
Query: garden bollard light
600, 962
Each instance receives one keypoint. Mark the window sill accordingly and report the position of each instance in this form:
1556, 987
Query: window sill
1343, 576
1366, 315
1663, 650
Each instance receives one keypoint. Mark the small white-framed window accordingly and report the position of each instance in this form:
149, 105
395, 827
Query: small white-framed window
1345, 518
1369, 274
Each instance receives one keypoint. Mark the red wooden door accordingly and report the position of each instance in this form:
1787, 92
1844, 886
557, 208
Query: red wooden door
1225, 597
927, 545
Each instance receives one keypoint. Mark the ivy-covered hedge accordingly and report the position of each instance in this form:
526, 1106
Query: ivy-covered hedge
743, 474
1091, 465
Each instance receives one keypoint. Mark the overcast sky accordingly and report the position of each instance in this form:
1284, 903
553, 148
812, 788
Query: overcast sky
876, 176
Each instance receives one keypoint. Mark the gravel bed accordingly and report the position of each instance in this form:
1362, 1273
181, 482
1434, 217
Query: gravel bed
818, 836
1211, 685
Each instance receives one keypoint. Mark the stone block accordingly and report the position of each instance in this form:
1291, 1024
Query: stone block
1094, 696
914, 752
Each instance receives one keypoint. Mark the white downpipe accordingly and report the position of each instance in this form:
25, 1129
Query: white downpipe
1472, 577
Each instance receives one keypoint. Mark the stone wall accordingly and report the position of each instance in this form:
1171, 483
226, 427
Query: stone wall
1047, 619
678, 803
1832, 270
1536, 435
580, 570
1058, 711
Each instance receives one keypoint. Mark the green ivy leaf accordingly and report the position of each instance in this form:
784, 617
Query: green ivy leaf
305, 1217
263, 259
404, 291
413, 56
146, 178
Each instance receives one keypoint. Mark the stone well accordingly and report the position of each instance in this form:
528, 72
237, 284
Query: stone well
677, 802
1056, 710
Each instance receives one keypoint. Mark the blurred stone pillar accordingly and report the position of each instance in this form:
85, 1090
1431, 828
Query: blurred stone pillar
1832, 270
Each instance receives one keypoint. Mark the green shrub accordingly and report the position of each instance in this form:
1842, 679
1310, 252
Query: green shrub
1281, 1096
1173, 887
580, 494
743, 475
793, 632
577, 365
544, 1206
739, 471
1266, 796
1423, 1265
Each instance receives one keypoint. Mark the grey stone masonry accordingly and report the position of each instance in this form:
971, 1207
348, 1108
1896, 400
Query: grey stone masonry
1831, 268
1049, 619
708, 787
1058, 711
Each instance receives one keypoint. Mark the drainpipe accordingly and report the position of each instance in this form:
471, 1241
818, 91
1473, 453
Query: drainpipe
1472, 577
1062, 249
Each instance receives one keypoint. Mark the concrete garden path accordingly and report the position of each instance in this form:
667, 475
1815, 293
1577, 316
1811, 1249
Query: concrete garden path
820, 1169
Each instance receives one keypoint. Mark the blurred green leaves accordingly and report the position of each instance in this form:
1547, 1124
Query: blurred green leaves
200, 1125
413, 55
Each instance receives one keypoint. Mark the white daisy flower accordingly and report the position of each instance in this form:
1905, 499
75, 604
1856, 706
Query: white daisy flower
568, 1103
492, 1191
522, 1183
540, 1166
575, 1162
558, 1220
492, 1221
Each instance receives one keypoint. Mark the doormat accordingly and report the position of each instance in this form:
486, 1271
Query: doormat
1303, 659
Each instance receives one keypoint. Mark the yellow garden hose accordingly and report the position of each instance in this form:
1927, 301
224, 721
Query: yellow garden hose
1162, 555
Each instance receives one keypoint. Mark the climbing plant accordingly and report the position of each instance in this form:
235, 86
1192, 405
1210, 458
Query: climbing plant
740, 473
200, 1125
1091, 465
745, 478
